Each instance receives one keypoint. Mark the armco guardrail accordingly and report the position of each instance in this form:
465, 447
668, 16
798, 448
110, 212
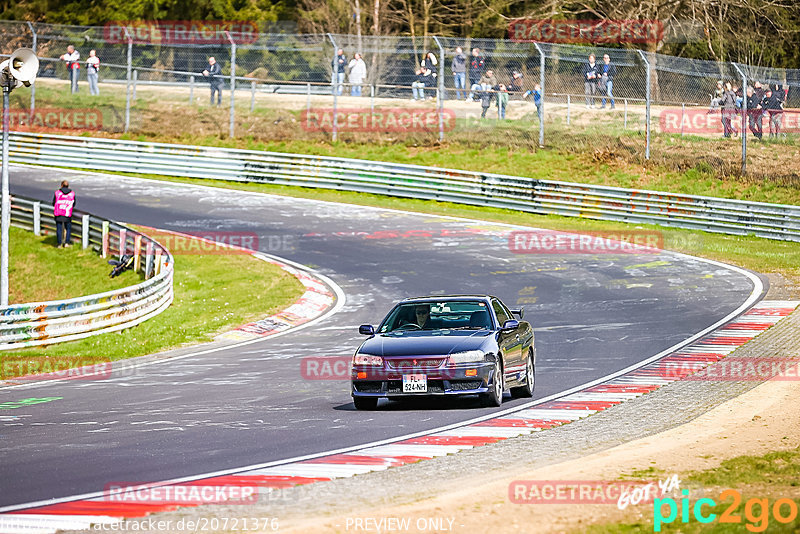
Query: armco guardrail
44, 323
773, 221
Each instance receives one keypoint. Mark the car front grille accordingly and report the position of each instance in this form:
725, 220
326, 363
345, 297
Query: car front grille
415, 363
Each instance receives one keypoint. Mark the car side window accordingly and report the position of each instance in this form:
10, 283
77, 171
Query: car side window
500, 312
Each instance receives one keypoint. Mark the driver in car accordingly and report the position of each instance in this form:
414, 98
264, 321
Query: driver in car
423, 315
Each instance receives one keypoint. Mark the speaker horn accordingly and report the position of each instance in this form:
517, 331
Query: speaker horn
23, 65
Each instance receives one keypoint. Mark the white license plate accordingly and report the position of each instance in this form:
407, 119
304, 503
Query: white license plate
415, 384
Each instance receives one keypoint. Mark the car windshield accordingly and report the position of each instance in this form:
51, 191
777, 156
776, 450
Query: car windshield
445, 315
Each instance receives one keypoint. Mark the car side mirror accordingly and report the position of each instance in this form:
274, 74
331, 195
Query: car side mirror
520, 312
366, 330
511, 324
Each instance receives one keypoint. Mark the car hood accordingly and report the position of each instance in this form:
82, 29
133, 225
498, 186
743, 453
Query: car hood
426, 343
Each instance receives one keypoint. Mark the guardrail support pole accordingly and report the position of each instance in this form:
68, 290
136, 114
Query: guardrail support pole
37, 218
104, 241
137, 251
542, 89
158, 261
647, 107
123, 242
440, 89
85, 231
135, 78
191, 89
148, 260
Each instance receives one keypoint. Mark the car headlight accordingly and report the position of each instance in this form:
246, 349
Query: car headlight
367, 359
469, 356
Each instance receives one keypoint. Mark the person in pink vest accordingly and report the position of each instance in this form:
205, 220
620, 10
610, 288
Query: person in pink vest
63, 204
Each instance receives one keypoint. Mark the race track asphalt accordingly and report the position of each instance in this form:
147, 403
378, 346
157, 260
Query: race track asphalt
593, 315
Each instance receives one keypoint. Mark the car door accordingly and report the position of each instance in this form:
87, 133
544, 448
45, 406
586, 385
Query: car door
509, 342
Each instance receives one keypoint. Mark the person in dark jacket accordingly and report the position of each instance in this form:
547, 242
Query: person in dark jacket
338, 66
590, 77
214, 74
606, 82
63, 204
753, 104
773, 105
728, 111
476, 66
459, 72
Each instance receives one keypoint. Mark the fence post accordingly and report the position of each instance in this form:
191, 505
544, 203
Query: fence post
232, 132
85, 231
191, 89
744, 118
128, 82
137, 251
135, 78
148, 260
542, 89
33, 85
568, 106
37, 218
252, 96
334, 87
647, 107
440, 89
123, 242
308, 97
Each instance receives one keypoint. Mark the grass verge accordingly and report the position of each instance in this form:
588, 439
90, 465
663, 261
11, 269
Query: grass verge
213, 293
760, 482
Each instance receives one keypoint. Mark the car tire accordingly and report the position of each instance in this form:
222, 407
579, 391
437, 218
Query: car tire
526, 390
494, 397
365, 403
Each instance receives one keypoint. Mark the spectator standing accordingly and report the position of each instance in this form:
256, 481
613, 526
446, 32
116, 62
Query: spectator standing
515, 86
476, 66
72, 59
753, 112
486, 96
214, 74
358, 71
590, 77
339, 64
728, 111
502, 102
92, 66
607, 73
63, 204
773, 105
459, 68
537, 99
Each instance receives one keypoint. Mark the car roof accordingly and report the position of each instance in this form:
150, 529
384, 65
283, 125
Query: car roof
438, 298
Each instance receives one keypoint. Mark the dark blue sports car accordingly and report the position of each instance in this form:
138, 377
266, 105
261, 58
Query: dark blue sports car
453, 345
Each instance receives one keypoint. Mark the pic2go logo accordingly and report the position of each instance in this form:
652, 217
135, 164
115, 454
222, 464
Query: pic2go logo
756, 511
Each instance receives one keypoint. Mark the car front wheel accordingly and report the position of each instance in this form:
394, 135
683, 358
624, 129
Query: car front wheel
494, 397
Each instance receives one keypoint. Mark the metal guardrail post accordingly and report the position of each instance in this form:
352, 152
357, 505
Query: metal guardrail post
104, 240
334, 88
33, 85
744, 118
37, 218
647, 107
542, 89
128, 81
85, 231
148, 260
232, 132
135, 78
252, 96
191, 89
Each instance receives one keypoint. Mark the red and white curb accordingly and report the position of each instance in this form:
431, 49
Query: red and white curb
110, 508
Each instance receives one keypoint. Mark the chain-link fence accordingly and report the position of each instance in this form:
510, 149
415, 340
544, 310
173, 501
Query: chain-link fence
415, 90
